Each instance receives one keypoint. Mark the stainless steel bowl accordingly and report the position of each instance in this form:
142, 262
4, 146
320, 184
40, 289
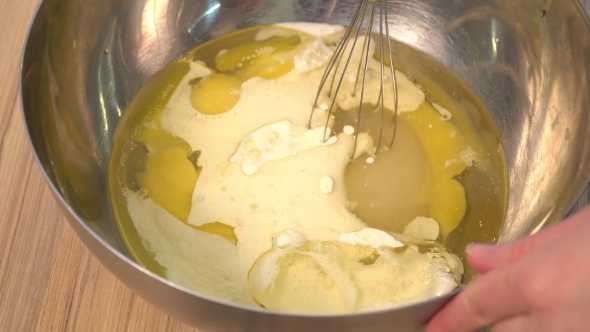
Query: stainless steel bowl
527, 61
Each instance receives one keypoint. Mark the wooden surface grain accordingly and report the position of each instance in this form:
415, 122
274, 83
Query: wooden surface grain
48, 280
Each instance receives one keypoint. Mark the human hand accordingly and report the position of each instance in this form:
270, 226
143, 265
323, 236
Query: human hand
538, 283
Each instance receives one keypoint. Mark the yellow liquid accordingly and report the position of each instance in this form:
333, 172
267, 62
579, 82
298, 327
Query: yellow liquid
404, 182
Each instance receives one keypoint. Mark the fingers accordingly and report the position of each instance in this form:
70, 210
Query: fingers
483, 302
517, 323
485, 257
503, 297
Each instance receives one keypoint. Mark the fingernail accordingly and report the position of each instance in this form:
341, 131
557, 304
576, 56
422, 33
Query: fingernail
477, 249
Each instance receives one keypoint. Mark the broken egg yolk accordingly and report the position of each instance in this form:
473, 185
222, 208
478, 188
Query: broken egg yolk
443, 145
170, 176
215, 94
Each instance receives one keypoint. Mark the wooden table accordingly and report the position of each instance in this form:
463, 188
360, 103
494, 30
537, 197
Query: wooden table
48, 280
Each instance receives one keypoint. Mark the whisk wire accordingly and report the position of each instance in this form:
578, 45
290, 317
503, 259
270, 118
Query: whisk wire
334, 61
334, 67
393, 78
338, 51
366, 63
358, 71
358, 16
381, 98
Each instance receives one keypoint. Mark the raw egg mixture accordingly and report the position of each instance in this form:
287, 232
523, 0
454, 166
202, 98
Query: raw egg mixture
219, 182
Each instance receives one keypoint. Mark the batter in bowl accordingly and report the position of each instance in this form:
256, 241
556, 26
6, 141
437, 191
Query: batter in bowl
227, 190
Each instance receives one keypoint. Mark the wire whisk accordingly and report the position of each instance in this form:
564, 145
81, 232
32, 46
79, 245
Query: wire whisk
339, 81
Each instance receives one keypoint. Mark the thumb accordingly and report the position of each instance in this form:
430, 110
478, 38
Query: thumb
486, 257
